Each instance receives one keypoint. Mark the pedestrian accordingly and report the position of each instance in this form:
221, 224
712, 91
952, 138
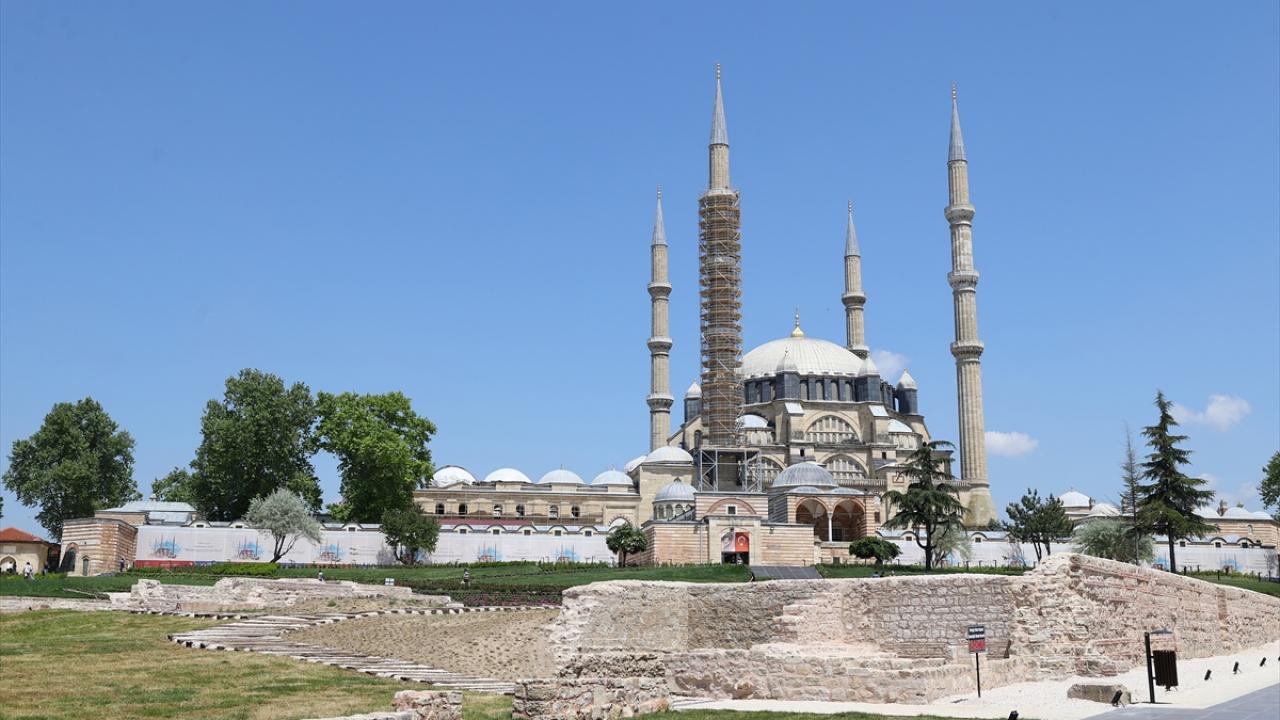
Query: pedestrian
121, 564
320, 575
466, 577
27, 572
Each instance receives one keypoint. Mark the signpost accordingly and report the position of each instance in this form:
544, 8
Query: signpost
977, 636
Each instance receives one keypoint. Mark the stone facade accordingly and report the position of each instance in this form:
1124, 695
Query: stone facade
92, 546
701, 542
589, 698
237, 593
19, 549
899, 639
429, 705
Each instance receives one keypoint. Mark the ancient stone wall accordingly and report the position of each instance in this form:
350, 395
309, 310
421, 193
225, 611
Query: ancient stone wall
588, 698
253, 593
898, 639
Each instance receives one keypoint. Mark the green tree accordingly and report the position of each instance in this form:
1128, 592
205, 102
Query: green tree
1269, 488
381, 445
408, 531
626, 540
286, 516
879, 549
256, 440
1169, 499
78, 461
930, 503
1053, 523
953, 540
1131, 479
175, 486
1112, 539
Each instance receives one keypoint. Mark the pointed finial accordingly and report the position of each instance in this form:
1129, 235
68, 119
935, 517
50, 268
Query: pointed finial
851, 236
659, 191
717, 71
796, 331
956, 150
659, 227
719, 133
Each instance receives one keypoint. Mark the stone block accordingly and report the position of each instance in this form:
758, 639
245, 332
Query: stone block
1100, 692
430, 704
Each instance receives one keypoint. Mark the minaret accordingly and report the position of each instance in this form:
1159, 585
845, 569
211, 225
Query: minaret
659, 399
854, 299
720, 288
967, 349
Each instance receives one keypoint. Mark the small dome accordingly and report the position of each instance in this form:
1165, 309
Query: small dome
694, 391
669, 454
1074, 499
752, 421
1104, 509
452, 475
676, 491
561, 477
507, 475
1261, 515
869, 368
805, 473
1237, 513
633, 463
611, 477
906, 382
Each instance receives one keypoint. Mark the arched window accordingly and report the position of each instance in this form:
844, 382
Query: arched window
575, 511
553, 511
520, 511
462, 509
769, 470
439, 508
845, 470
831, 430
497, 511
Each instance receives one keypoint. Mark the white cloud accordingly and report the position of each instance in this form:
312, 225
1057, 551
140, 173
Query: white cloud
890, 363
1222, 412
1010, 444
1246, 493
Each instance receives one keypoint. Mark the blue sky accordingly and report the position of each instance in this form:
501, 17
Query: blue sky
456, 201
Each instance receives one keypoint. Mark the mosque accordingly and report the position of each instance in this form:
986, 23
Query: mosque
785, 451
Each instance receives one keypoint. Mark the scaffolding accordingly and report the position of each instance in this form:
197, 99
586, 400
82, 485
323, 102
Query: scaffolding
729, 470
720, 289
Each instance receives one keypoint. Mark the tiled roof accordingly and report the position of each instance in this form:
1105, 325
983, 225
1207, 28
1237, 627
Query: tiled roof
12, 534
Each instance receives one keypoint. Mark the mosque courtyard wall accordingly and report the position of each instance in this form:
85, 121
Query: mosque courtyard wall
899, 639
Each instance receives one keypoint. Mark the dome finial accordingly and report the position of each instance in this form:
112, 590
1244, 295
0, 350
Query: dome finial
796, 331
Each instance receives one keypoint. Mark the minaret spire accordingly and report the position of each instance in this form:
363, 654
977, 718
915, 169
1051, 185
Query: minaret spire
659, 399
854, 299
967, 349
720, 290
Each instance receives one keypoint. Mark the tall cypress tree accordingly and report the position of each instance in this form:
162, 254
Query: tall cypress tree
1167, 503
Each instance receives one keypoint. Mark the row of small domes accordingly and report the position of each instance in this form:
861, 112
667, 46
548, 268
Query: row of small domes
452, 475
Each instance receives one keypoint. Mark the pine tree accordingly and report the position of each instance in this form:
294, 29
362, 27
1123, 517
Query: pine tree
931, 505
1131, 494
1168, 501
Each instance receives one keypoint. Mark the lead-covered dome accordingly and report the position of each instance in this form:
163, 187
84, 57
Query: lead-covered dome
452, 475
675, 491
507, 475
804, 474
561, 477
810, 356
611, 477
669, 454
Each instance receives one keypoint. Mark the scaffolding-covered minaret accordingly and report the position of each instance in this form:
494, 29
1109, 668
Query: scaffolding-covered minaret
967, 349
659, 399
720, 288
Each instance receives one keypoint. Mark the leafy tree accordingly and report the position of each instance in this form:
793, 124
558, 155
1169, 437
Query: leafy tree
1036, 521
626, 540
930, 503
77, 462
256, 440
408, 531
381, 444
286, 516
1269, 488
1053, 523
953, 540
175, 486
1112, 539
879, 549
1168, 501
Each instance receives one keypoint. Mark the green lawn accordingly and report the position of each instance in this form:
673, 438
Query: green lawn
1241, 581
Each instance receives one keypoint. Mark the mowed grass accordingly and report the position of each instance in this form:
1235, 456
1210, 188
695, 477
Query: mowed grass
109, 666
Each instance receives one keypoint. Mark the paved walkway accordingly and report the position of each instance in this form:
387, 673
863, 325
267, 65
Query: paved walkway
266, 634
1261, 704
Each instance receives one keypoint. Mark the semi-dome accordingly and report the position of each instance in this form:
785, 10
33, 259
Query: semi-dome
668, 454
452, 475
1104, 510
675, 491
1074, 499
560, 476
634, 463
749, 421
611, 477
507, 475
805, 473
809, 356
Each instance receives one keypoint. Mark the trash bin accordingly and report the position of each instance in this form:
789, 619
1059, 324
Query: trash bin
1166, 667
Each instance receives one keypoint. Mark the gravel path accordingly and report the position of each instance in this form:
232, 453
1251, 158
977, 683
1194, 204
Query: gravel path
505, 645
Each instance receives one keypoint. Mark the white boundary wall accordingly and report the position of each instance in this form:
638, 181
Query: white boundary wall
1192, 557
158, 544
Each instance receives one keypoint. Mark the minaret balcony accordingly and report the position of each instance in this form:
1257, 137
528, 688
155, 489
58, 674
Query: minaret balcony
967, 349
959, 213
659, 344
660, 401
854, 298
659, 289
963, 279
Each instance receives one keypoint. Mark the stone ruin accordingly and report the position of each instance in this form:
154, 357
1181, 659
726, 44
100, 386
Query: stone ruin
886, 640
236, 593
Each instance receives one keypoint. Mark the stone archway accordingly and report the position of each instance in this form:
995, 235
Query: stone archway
8, 565
848, 521
812, 512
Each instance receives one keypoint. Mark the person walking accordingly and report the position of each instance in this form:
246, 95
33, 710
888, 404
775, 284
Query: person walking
320, 575
27, 572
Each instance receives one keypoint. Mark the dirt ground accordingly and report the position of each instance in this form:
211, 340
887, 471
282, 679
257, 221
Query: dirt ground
503, 645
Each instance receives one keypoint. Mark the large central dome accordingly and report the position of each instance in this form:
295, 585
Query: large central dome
810, 356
